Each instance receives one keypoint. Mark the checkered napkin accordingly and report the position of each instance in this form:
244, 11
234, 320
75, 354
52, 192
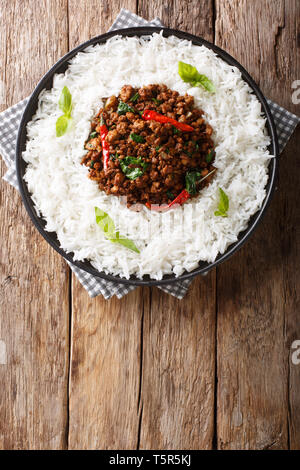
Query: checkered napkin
9, 121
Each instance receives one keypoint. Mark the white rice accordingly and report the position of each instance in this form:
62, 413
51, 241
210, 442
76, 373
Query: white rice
170, 242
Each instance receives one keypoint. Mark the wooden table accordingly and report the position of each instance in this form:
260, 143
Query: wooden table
149, 371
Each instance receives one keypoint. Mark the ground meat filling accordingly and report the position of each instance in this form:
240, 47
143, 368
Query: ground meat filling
148, 160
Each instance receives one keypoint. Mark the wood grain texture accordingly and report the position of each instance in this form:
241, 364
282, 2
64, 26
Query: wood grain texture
105, 357
177, 396
105, 371
90, 18
193, 16
253, 289
33, 278
143, 369
178, 373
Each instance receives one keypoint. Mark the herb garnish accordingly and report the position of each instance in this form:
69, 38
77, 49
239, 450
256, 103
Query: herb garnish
210, 156
92, 135
156, 101
107, 225
157, 148
170, 194
133, 172
92, 164
191, 178
124, 108
65, 105
175, 130
190, 74
135, 97
223, 204
137, 138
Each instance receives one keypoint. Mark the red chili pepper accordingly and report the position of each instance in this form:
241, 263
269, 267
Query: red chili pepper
105, 145
150, 115
181, 198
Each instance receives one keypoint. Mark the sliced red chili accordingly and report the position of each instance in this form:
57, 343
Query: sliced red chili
150, 115
181, 198
105, 145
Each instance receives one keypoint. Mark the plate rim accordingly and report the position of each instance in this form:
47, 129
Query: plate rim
86, 266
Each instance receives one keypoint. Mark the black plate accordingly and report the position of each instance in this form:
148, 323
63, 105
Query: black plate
60, 67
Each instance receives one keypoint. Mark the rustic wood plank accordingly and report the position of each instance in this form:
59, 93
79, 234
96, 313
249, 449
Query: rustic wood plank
290, 246
178, 377
93, 17
177, 394
105, 370
287, 70
193, 16
256, 289
34, 279
105, 357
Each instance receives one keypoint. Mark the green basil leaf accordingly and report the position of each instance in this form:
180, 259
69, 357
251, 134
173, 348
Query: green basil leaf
137, 138
124, 108
92, 135
204, 82
156, 101
65, 101
191, 180
210, 156
221, 214
190, 74
170, 194
62, 125
125, 242
223, 204
135, 97
133, 173
105, 222
92, 164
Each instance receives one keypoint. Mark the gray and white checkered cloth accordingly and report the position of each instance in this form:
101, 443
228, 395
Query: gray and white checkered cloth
9, 122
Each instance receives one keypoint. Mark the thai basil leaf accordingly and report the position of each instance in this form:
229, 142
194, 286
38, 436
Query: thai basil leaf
65, 101
125, 242
190, 74
210, 156
133, 173
137, 138
62, 125
223, 204
124, 108
135, 97
106, 223
191, 179
93, 135
65, 104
